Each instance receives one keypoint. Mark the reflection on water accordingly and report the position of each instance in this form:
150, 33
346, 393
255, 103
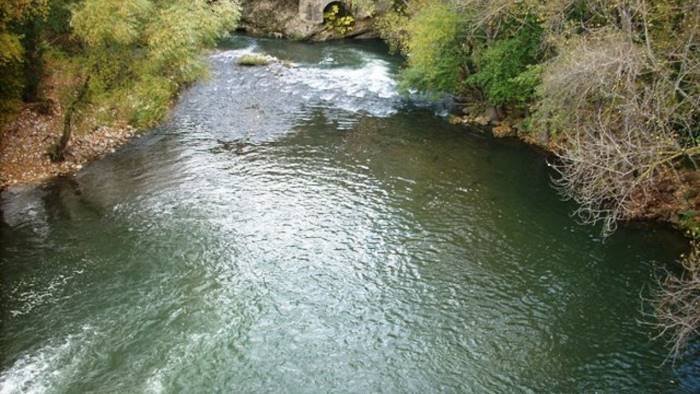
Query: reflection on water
306, 229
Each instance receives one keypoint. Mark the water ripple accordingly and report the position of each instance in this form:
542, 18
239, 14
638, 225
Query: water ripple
299, 230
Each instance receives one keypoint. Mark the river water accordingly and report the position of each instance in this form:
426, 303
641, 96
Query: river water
305, 228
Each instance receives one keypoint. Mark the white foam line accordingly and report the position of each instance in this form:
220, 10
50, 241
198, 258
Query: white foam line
41, 370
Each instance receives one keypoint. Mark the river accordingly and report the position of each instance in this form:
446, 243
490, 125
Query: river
305, 228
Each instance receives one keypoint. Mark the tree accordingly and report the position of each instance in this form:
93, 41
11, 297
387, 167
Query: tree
625, 100
138, 54
17, 18
678, 303
613, 84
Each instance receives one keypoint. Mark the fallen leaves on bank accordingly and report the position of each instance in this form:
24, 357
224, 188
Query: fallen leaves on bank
26, 141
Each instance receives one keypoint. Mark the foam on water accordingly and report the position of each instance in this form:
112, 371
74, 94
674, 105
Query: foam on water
259, 103
370, 89
235, 54
46, 368
32, 296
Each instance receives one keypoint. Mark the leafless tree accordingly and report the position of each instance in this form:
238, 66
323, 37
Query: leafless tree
623, 120
626, 103
678, 304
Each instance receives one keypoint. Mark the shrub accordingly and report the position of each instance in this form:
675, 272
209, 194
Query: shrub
11, 87
436, 60
15, 15
136, 54
505, 67
150, 101
678, 303
617, 107
338, 19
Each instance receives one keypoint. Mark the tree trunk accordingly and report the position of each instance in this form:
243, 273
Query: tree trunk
59, 152
33, 63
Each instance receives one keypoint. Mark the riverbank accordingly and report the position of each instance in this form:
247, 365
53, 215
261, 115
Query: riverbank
94, 73
673, 199
26, 141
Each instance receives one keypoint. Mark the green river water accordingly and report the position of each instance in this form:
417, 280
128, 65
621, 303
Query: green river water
308, 229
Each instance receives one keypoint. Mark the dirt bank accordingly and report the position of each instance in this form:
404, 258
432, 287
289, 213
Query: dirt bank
26, 141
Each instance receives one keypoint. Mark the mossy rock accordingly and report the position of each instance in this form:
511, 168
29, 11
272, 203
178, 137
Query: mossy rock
252, 60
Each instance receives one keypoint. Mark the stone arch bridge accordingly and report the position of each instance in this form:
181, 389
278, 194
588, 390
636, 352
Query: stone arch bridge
312, 10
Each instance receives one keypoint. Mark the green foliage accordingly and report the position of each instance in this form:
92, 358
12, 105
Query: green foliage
101, 23
150, 100
393, 27
140, 52
57, 24
339, 20
506, 71
391, 30
436, 59
453, 46
11, 50
14, 15
11, 86
690, 222
179, 33
366, 7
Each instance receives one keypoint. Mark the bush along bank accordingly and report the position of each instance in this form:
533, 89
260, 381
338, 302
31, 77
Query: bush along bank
77, 77
611, 88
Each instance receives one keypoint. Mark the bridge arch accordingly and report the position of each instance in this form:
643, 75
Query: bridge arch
312, 10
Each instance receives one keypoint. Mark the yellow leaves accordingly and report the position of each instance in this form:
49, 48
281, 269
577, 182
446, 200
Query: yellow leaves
19, 10
335, 19
14, 13
432, 45
101, 22
10, 48
178, 32
140, 52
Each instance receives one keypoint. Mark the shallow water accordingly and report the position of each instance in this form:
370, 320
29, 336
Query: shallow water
304, 228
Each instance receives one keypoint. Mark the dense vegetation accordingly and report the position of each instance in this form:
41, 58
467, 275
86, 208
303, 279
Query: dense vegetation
112, 61
613, 87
